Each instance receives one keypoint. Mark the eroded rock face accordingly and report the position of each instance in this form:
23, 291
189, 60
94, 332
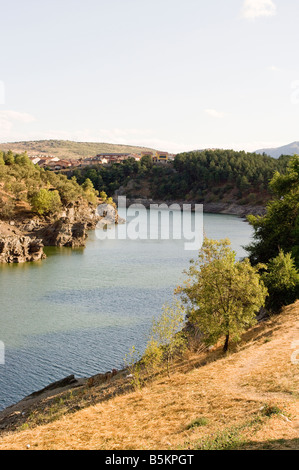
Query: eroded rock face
82, 213
71, 227
15, 249
74, 222
63, 232
26, 240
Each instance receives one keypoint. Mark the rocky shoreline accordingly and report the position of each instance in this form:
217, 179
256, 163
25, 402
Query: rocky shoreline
23, 240
18, 249
208, 207
77, 393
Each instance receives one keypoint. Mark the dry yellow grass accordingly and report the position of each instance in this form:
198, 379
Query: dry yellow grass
229, 392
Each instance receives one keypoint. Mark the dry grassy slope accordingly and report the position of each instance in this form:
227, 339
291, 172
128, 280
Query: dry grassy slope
68, 149
229, 392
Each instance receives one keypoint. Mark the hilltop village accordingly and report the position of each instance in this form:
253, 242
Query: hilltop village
54, 163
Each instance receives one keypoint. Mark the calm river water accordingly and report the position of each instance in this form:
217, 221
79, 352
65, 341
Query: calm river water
79, 311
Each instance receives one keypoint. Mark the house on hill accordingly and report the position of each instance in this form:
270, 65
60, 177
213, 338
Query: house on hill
157, 157
60, 165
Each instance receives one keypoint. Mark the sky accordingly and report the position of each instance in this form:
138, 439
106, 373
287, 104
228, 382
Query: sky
174, 75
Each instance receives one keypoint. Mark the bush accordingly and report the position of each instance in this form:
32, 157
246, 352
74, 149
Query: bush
7, 209
166, 339
271, 410
46, 202
198, 422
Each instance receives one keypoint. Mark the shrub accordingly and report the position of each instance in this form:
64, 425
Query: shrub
271, 410
7, 209
198, 422
230, 439
166, 339
133, 363
46, 202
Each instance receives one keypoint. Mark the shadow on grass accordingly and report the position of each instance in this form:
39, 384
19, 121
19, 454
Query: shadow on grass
278, 444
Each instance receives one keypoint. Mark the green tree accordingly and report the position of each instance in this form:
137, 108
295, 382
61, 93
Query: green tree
223, 295
244, 183
23, 160
282, 281
89, 190
103, 196
9, 158
147, 161
279, 228
87, 185
46, 202
166, 338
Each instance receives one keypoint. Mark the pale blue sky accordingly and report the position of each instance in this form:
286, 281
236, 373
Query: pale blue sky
171, 74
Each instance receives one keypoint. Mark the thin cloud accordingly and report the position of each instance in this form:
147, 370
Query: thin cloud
273, 68
215, 114
8, 119
253, 9
16, 116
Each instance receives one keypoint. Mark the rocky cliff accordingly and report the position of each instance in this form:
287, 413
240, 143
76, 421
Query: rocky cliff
23, 239
16, 249
70, 226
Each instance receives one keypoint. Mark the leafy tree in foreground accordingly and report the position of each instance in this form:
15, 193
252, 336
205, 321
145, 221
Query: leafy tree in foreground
279, 228
223, 295
282, 281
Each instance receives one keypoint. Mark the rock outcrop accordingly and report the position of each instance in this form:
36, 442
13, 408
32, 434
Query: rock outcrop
73, 224
23, 240
63, 232
208, 207
16, 249
108, 215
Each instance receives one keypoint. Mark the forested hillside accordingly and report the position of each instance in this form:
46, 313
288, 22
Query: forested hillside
25, 187
208, 176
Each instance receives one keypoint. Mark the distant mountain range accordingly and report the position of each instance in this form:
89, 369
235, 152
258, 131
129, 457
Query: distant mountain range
290, 149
